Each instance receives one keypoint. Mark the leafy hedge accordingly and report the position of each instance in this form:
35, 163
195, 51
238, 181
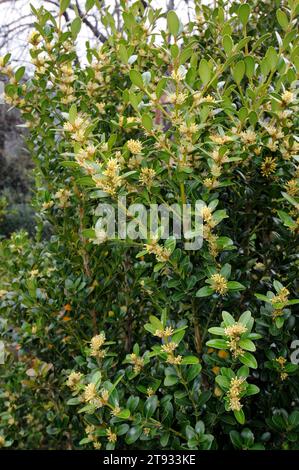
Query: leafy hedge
149, 344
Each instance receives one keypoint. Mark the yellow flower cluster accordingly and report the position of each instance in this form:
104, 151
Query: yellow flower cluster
74, 379
287, 97
90, 392
234, 392
135, 146
174, 360
208, 226
292, 187
234, 332
111, 180
169, 347
78, 128
63, 196
248, 137
268, 166
112, 437
281, 297
34, 38
95, 345
138, 362
66, 83
219, 284
282, 361
168, 331
147, 176
162, 254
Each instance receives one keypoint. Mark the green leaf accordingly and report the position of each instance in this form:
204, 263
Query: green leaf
89, 4
228, 318
73, 113
190, 360
204, 71
247, 344
243, 13
215, 330
173, 23
217, 343
170, 380
133, 434
239, 71
19, 73
204, 292
249, 66
193, 372
236, 439
286, 219
234, 285
160, 87
223, 382
74, 401
252, 390
123, 54
227, 44
294, 419
136, 78
226, 269
76, 27
249, 360
243, 372
124, 414
64, 4
240, 417
150, 406
155, 322
282, 19
147, 122
245, 318
132, 403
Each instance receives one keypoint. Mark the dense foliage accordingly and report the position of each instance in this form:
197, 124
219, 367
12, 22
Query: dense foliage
112, 343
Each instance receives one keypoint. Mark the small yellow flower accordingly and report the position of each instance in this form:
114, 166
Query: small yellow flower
147, 176
234, 330
281, 297
2, 441
97, 341
281, 361
236, 388
34, 38
150, 392
248, 137
73, 379
116, 411
135, 146
219, 284
169, 347
175, 360
104, 396
287, 97
268, 166
112, 437
90, 392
